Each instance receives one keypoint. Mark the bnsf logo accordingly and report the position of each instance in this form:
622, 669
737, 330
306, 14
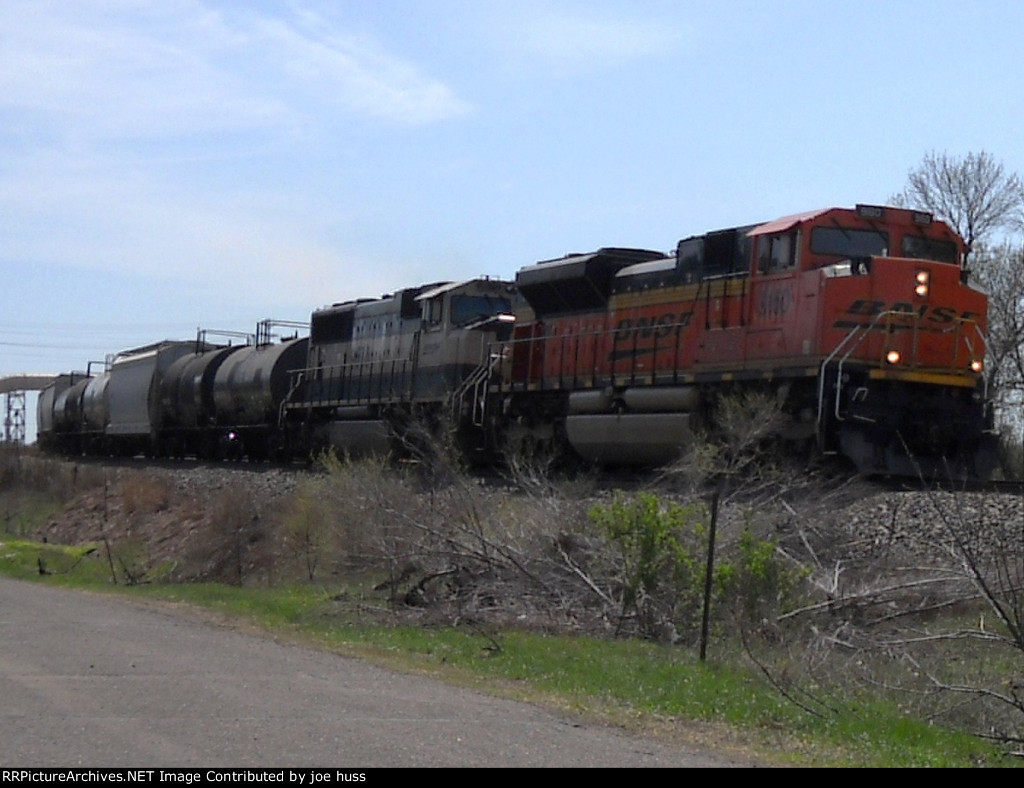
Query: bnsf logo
646, 327
938, 315
629, 331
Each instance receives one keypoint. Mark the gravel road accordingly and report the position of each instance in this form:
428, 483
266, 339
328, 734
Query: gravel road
96, 681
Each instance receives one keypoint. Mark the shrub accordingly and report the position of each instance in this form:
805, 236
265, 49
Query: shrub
663, 548
755, 584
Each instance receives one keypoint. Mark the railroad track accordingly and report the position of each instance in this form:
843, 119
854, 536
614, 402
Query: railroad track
999, 486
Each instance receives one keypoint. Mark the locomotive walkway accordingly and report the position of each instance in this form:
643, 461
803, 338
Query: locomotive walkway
96, 681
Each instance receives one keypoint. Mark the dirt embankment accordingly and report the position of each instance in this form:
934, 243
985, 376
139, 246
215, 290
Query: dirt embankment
193, 519
502, 555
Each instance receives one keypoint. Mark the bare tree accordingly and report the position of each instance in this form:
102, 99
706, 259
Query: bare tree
975, 194
1002, 274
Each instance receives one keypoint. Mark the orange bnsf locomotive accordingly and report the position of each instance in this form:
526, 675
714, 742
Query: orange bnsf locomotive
859, 321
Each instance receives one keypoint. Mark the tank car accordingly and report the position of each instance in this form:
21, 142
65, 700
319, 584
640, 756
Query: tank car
73, 413
68, 415
95, 415
189, 415
249, 388
858, 321
47, 418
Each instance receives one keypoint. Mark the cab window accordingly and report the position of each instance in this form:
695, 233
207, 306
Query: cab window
921, 248
690, 256
435, 312
470, 308
777, 252
844, 242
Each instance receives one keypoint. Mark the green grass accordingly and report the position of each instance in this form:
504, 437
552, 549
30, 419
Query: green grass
70, 566
22, 510
637, 683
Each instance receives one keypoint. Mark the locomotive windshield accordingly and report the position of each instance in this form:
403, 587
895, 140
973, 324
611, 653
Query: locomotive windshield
921, 248
470, 308
848, 243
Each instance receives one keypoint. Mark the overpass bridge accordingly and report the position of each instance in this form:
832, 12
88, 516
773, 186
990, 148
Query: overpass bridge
13, 387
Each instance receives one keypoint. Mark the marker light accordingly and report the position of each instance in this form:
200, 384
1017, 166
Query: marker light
893, 357
923, 279
977, 365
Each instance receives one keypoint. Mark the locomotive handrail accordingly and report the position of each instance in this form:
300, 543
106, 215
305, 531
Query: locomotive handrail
478, 381
358, 382
860, 333
888, 315
570, 345
297, 377
821, 381
744, 276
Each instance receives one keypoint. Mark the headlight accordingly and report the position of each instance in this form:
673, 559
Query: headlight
977, 365
923, 280
893, 357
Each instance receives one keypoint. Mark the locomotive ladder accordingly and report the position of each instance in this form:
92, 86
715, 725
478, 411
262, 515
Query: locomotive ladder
475, 385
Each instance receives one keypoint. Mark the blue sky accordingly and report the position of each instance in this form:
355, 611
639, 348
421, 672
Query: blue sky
209, 163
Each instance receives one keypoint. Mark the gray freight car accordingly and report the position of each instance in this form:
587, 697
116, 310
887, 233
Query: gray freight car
133, 397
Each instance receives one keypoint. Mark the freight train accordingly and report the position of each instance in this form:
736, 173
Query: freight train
860, 323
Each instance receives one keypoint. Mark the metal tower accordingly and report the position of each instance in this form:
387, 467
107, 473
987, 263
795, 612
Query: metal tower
14, 418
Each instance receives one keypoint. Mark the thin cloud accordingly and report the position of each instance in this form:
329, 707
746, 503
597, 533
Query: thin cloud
180, 69
97, 78
586, 41
356, 73
132, 128
256, 246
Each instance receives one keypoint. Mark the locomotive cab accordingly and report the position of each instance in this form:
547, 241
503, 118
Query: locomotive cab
461, 321
901, 387
376, 365
872, 301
